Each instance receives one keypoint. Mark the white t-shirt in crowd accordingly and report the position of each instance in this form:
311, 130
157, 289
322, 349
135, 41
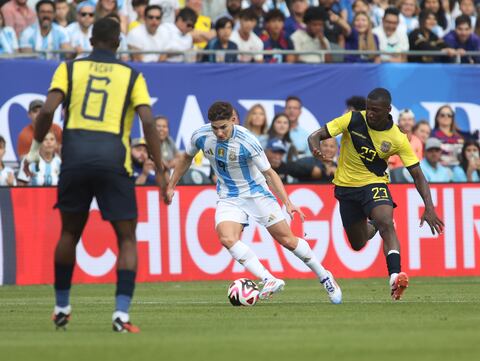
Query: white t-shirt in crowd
398, 41
141, 39
4, 174
304, 42
174, 40
252, 44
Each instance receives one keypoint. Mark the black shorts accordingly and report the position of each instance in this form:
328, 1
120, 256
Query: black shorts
356, 203
114, 192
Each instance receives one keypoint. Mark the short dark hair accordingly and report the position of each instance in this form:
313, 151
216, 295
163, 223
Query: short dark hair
380, 94
187, 14
274, 14
136, 3
153, 7
248, 14
293, 97
391, 11
357, 103
424, 14
2, 141
463, 19
315, 13
222, 22
106, 30
43, 2
220, 111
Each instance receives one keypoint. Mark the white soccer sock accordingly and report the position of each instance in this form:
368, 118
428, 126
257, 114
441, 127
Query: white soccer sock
245, 256
305, 253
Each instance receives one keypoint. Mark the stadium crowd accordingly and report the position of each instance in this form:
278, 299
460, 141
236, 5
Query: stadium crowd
169, 26
446, 154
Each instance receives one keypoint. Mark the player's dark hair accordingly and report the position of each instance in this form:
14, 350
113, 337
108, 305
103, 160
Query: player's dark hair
2, 141
315, 13
220, 111
42, 2
153, 7
106, 30
187, 14
222, 23
357, 103
293, 97
248, 14
380, 94
463, 19
391, 11
274, 14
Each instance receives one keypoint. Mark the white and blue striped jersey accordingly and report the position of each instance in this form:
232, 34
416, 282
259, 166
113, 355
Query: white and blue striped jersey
43, 173
32, 38
237, 162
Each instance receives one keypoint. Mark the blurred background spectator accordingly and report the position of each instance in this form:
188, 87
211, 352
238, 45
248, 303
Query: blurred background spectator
280, 129
7, 175
80, 31
170, 8
469, 167
256, 122
422, 130
18, 15
106, 7
463, 39
61, 13
257, 7
246, 39
223, 28
391, 38
446, 131
408, 15
434, 171
47, 170
233, 8
362, 38
355, 103
25, 137
168, 148
296, 19
293, 109
202, 32
139, 7
8, 38
274, 37
436, 6
142, 164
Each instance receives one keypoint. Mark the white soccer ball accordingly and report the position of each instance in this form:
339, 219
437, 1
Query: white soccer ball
243, 292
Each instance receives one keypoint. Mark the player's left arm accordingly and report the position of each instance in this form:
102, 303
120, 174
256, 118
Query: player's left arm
274, 182
429, 215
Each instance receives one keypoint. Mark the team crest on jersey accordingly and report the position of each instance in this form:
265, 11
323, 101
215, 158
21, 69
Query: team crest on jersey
221, 152
232, 156
385, 147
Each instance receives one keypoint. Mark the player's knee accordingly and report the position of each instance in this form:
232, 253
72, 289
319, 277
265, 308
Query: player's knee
357, 246
289, 242
384, 225
227, 241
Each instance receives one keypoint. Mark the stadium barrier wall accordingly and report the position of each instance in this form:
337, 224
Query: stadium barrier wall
178, 243
183, 92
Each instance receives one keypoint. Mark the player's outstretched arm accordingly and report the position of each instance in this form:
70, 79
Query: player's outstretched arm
429, 215
314, 142
276, 184
184, 162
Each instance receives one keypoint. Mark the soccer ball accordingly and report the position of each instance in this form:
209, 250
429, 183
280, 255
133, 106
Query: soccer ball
243, 292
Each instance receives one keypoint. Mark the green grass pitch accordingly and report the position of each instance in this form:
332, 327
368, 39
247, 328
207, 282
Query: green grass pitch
439, 319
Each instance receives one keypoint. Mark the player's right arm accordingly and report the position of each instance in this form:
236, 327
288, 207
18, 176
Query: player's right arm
331, 129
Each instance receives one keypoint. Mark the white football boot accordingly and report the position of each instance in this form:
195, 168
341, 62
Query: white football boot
271, 286
332, 288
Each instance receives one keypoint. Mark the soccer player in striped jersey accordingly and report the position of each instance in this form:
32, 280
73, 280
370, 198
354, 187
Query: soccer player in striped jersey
244, 177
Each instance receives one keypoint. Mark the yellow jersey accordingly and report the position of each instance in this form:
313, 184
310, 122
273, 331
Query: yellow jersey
204, 23
101, 94
364, 151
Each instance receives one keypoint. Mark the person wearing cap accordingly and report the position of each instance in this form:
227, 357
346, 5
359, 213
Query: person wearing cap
275, 151
24, 140
80, 31
369, 138
434, 171
143, 166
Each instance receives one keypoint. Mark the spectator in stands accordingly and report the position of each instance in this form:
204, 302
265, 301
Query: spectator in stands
336, 28
139, 7
246, 39
424, 39
274, 37
80, 31
313, 37
142, 164
463, 39
408, 15
147, 37
7, 175
406, 121
436, 6
280, 129
390, 38
18, 15
377, 11
123, 39
467, 7
168, 148
106, 7
356, 104
202, 32
362, 38
256, 122
279, 5
47, 170
224, 28
275, 151
422, 130
170, 9
469, 167
447, 132
433, 170
257, 7
233, 8
177, 37
61, 13
45, 35
477, 27
361, 6
25, 137
293, 109
8, 38
295, 21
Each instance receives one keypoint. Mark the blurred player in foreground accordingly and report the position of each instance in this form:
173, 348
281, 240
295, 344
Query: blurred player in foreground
100, 96
243, 173
369, 138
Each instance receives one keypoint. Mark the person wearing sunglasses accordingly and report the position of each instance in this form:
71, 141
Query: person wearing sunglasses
80, 31
447, 132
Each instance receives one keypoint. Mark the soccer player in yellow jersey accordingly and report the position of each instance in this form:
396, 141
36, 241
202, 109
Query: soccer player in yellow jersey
368, 139
100, 96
